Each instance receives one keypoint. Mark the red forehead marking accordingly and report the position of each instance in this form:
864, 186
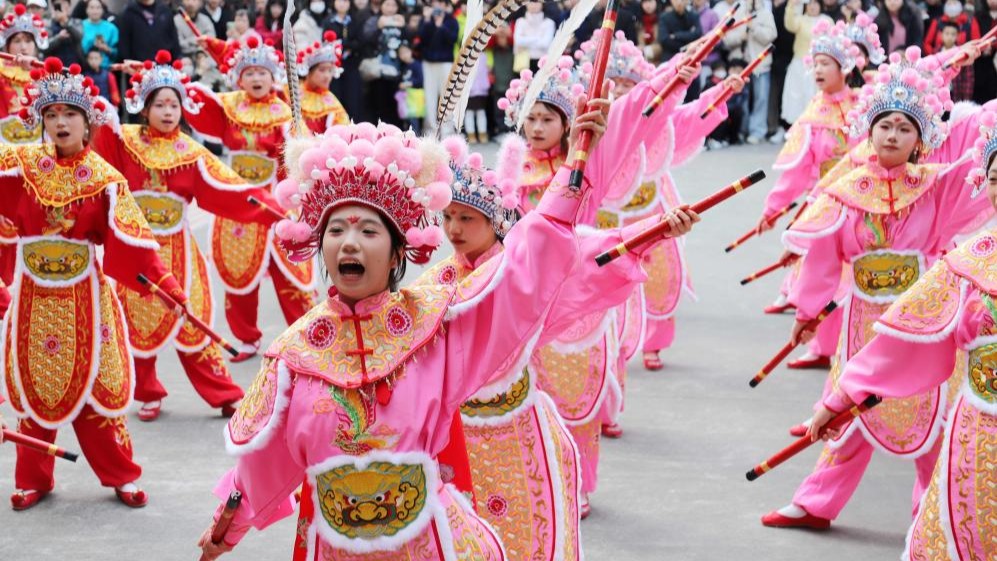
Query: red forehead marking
353, 219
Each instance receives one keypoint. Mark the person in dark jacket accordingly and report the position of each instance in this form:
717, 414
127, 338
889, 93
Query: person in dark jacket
437, 38
985, 87
220, 15
678, 27
65, 35
625, 22
348, 88
145, 27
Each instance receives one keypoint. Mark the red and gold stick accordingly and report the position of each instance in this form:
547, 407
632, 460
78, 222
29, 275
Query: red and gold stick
798, 214
782, 262
744, 21
989, 37
727, 92
190, 23
660, 229
754, 232
172, 303
13, 58
804, 442
595, 88
273, 212
784, 352
695, 58
38, 445
225, 519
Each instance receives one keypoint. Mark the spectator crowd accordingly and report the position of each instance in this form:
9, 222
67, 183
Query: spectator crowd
397, 53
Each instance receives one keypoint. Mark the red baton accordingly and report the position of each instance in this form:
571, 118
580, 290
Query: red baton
190, 23
753, 232
38, 445
784, 262
171, 303
727, 92
962, 56
804, 442
661, 228
784, 352
225, 519
274, 212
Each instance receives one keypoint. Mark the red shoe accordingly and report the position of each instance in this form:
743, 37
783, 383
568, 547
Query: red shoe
246, 352
652, 362
777, 309
586, 508
776, 520
150, 411
23, 500
133, 499
798, 430
229, 409
612, 431
818, 363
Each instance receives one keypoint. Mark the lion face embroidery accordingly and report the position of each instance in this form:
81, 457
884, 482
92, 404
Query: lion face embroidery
381, 500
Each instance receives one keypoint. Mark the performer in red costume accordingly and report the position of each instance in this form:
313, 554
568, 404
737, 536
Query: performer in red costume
318, 66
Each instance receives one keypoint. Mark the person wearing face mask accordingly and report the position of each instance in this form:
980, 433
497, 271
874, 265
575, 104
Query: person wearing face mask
969, 28
252, 122
308, 26
888, 219
915, 351
167, 171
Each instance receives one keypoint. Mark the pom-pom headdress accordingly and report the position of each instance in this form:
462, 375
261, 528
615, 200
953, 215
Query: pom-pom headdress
626, 61
494, 193
404, 178
20, 21
329, 49
984, 149
163, 73
831, 39
864, 32
55, 85
561, 91
911, 85
240, 56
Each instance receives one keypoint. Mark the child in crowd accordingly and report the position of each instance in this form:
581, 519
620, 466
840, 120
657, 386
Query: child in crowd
728, 132
102, 77
410, 96
476, 117
962, 85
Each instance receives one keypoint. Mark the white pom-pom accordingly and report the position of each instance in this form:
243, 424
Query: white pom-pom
316, 174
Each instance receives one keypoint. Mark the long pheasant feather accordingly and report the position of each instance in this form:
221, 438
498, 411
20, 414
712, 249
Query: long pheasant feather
562, 38
475, 12
290, 67
470, 51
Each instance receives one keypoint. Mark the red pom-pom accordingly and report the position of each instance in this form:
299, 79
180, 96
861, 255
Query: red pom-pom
178, 65
251, 42
75, 69
148, 65
184, 79
52, 64
329, 36
223, 68
43, 33
163, 56
23, 113
87, 82
136, 78
268, 42
99, 106
94, 91
36, 73
301, 58
130, 94
20, 9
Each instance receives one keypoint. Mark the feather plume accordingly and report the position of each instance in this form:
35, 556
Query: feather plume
290, 63
475, 41
475, 13
562, 38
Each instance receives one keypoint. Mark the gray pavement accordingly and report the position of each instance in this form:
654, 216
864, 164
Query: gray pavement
672, 488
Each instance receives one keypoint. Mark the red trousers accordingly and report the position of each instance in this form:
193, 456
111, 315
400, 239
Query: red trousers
104, 441
241, 310
206, 370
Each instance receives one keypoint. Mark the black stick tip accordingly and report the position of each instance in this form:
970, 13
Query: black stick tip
751, 475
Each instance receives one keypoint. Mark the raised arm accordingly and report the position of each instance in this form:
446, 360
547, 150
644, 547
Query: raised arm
221, 191
211, 121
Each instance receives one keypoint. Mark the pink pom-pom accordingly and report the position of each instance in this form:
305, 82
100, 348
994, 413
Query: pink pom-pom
577, 90
489, 177
564, 75
375, 170
910, 77
938, 81
283, 192
821, 26
335, 148
366, 131
362, 149
867, 90
283, 229
386, 149
988, 119
342, 131
312, 159
432, 236
808, 60
913, 54
883, 78
510, 201
414, 237
503, 104
895, 58
410, 161
526, 74
948, 105
457, 149
300, 232
620, 35
565, 63
507, 187
515, 84
863, 20
440, 196
475, 161
387, 129
443, 174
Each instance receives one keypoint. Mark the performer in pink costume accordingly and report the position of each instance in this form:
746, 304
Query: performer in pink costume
949, 313
890, 218
359, 394
814, 145
577, 369
523, 460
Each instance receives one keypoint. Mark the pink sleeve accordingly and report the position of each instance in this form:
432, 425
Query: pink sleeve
885, 366
819, 278
485, 339
691, 130
591, 287
958, 211
793, 182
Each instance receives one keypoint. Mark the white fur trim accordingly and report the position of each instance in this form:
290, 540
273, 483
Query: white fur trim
888, 299
94, 350
459, 308
808, 134
963, 110
883, 329
788, 235
545, 406
282, 400
264, 265
130, 366
588, 340
507, 417
469, 511
12, 172
504, 383
203, 170
432, 509
113, 193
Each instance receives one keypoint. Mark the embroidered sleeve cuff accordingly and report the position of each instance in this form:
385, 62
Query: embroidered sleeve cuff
560, 202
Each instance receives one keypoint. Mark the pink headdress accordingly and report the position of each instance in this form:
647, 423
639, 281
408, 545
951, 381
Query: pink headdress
494, 193
626, 60
831, 39
984, 149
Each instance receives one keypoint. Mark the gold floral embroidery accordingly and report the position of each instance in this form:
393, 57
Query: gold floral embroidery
318, 105
56, 183
930, 304
379, 501
128, 217
161, 152
983, 372
864, 190
885, 273
254, 168
501, 403
254, 116
13, 131
976, 260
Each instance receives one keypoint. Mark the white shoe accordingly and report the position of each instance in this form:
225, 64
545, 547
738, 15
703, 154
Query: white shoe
712, 144
752, 140
779, 137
